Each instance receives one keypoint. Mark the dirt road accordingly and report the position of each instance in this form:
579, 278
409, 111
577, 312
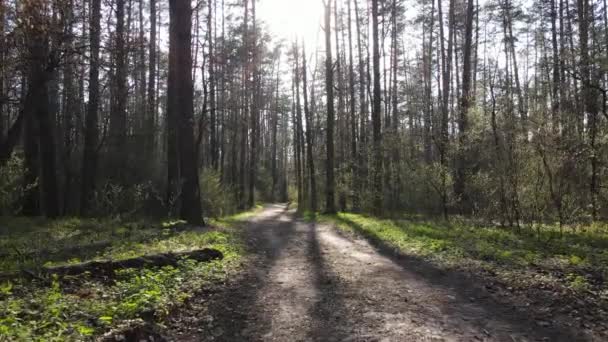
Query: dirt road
306, 282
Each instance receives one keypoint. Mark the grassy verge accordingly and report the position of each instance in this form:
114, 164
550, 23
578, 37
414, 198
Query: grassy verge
79, 308
573, 266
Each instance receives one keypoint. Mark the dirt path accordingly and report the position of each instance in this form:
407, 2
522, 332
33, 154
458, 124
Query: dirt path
308, 283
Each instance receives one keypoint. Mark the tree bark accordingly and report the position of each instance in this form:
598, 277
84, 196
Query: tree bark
213, 145
330, 205
465, 101
376, 115
353, 115
40, 126
91, 135
118, 115
297, 124
590, 95
180, 107
309, 136
254, 112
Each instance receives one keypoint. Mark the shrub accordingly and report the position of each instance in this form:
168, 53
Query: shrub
11, 185
118, 201
217, 199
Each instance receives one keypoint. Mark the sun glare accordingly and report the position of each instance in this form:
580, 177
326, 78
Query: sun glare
292, 19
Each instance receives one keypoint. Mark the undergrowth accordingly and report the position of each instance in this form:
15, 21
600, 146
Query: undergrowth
82, 307
576, 259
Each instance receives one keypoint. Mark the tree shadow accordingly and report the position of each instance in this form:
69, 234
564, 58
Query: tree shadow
468, 291
234, 307
330, 323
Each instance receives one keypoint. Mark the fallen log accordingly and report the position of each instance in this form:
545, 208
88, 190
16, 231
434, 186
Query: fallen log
107, 267
154, 260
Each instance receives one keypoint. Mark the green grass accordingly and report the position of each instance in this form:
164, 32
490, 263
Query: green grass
578, 256
82, 307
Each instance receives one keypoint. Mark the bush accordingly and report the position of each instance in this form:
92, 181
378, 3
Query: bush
11, 185
120, 201
217, 199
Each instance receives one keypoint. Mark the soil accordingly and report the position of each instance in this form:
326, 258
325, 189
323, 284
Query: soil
307, 282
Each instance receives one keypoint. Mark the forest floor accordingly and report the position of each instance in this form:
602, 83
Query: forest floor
291, 277
76, 279
327, 280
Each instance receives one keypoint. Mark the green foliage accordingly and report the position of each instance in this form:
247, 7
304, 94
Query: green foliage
11, 185
506, 251
217, 199
577, 282
118, 201
75, 309
233, 220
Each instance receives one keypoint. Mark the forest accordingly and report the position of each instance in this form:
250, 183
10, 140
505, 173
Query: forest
399, 170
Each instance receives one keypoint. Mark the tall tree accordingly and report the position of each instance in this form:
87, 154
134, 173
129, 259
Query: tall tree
297, 129
40, 147
353, 114
118, 112
213, 143
363, 111
590, 96
180, 107
330, 205
461, 167
254, 111
151, 96
376, 114
91, 135
309, 136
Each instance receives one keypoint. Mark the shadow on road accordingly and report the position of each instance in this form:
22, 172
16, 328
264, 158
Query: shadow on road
330, 323
465, 288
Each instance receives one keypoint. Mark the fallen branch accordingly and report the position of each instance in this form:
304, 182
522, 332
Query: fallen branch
108, 267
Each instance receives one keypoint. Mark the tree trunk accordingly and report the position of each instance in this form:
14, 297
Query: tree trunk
244, 109
363, 112
91, 135
149, 129
118, 115
70, 109
428, 113
376, 115
465, 101
40, 126
330, 206
309, 137
213, 146
180, 107
254, 88
591, 96
446, 67
297, 124
353, 115
274, 132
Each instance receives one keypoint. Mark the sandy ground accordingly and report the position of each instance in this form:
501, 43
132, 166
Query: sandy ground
306, 282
